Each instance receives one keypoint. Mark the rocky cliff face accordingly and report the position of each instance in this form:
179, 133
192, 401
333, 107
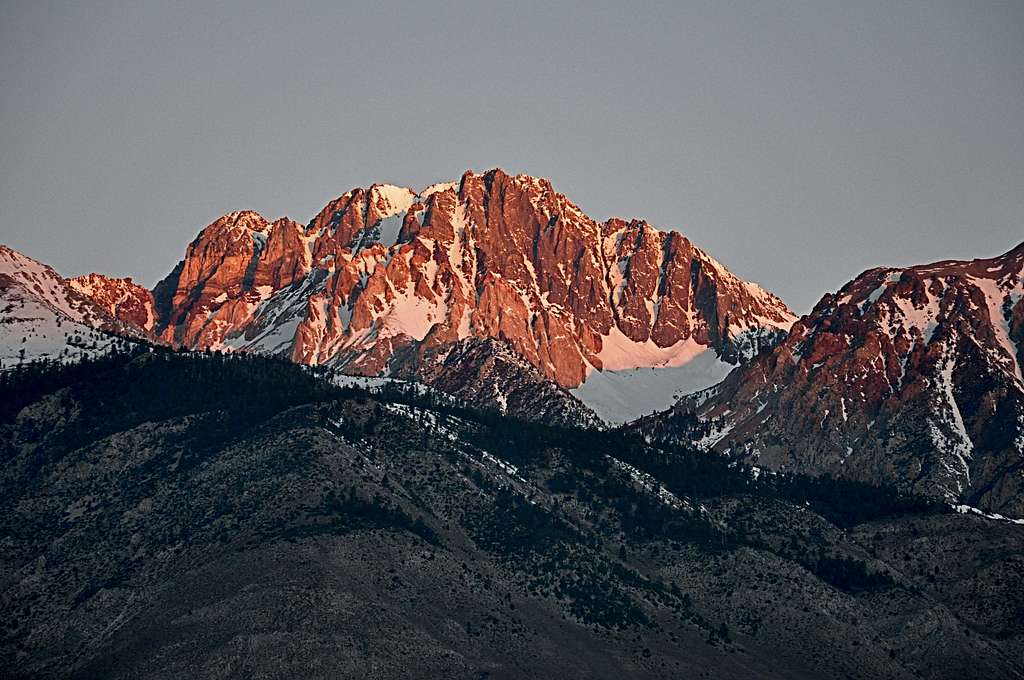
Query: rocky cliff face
384, 271
232, 265
120, 298
910, 376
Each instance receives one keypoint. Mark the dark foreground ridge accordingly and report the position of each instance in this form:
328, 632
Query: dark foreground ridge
169, 515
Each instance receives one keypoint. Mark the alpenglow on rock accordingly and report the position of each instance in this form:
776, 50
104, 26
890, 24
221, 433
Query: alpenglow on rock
384, 273
905, 376
383, 277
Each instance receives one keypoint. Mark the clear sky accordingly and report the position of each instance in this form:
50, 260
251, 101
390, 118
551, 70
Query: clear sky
800, 143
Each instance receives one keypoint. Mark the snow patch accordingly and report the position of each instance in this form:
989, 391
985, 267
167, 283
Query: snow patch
619, 396
619, 353
967, 509
439, 187
398, 199
947, 430
994, 300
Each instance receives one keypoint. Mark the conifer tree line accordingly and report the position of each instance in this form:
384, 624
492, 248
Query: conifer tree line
134, 384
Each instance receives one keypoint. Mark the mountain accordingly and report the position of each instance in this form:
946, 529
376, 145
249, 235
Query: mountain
399, 462
44, 316
489, 374
905, 376
177, 515
122, 299
384, 280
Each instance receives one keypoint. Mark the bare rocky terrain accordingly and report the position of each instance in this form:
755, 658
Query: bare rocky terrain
910, 377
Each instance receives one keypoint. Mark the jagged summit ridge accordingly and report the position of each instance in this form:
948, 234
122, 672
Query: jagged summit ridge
493, 255
384, 276
909, 376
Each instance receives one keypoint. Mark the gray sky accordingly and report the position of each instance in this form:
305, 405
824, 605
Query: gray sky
799, 143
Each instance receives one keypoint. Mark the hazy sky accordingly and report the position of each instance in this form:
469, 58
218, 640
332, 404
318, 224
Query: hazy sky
799, 143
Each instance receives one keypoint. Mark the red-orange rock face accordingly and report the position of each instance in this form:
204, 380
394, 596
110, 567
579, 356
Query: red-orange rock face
120, 298
909, 377
383, 271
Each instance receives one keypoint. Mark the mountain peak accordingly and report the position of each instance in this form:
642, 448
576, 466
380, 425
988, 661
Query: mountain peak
383, 275
390, 200
122, 298
245, 219
905, 376
45, 316
383, 278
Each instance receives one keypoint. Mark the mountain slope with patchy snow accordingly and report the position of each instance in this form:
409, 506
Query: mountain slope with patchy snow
42, 316
910, 376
